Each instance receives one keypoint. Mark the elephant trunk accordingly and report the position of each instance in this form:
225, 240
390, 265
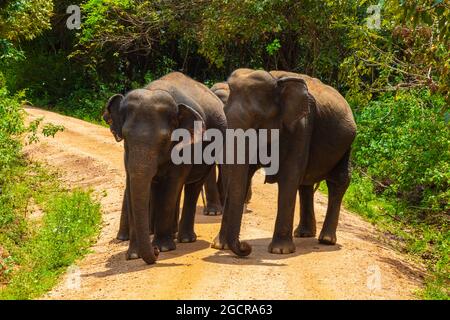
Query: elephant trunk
141, 169
235, 182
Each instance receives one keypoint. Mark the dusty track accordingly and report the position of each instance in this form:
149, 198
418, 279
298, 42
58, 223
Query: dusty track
87, 156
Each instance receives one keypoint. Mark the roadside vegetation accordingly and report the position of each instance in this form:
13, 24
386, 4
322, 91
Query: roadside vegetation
394, 71
401, 175
44, 227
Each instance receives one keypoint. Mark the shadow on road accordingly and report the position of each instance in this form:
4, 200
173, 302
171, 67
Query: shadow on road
200, 218
260, 255
117, 264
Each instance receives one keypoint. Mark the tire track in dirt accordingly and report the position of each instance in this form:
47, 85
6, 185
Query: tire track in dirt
87, 156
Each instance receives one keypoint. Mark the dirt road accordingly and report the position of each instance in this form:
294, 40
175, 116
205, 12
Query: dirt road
360, 266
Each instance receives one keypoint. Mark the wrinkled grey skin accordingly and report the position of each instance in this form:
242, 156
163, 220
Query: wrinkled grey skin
213, 190
213, 183
145, 119
316, 132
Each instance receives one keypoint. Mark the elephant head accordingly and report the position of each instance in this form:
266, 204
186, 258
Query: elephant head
145, 120
258, 100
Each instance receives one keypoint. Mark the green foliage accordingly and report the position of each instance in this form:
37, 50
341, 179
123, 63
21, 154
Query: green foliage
50, 129
273, 47
33, 253
85, 104
66, 231
24, 19
409, 50
404, 228
11, 127
403, 142
41, 85
401, 177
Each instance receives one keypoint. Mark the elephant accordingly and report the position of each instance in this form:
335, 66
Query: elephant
316, 131
213, 190
145, 119
213, 184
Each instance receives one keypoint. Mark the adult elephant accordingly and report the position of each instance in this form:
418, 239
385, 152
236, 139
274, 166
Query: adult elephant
213, 183
316, 132
145, 119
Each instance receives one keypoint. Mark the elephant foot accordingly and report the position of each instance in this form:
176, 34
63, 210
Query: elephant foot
327, 238
186, 237
122, 236
219, 243
212, 210
304, 232
282, 246
132, 254
164, 243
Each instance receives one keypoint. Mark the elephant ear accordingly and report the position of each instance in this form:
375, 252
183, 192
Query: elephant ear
293, 99
114, 117
192, 120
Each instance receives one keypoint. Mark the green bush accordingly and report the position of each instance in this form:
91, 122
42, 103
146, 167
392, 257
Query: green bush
67, 230
33, 255
401, 227
11, 126
403, 143
401, 160
85, 104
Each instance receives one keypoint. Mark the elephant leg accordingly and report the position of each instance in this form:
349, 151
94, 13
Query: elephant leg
191, 193
290, 177
177, 217
248, 197
337, 182
219, 241
165, 213
124, 229
282, 241
213, 204
249, 192
307, 226
133, 251
220, 185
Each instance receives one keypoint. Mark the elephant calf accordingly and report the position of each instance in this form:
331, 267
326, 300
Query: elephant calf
145, 119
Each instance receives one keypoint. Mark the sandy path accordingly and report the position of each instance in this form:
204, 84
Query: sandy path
359, 267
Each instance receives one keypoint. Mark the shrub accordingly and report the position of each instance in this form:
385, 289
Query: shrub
403, 143
11, 126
